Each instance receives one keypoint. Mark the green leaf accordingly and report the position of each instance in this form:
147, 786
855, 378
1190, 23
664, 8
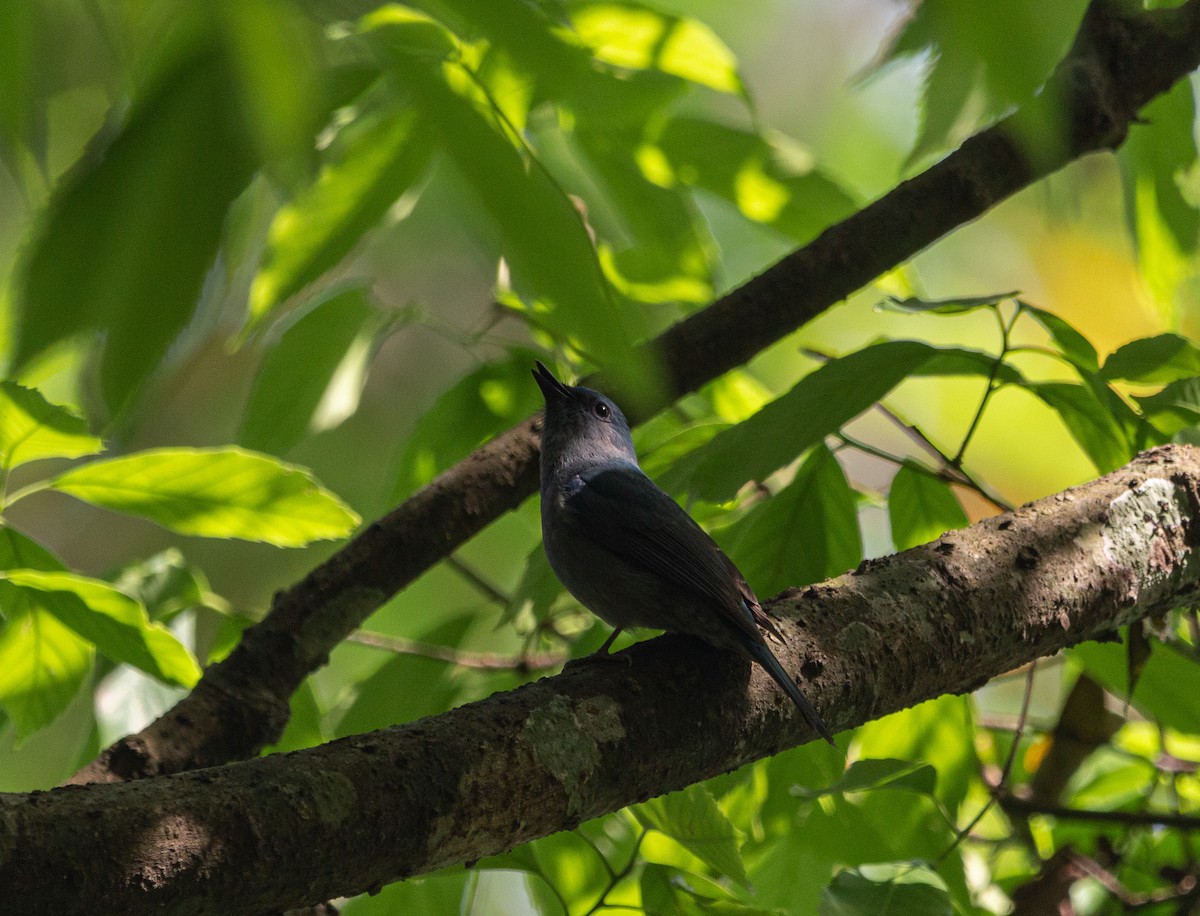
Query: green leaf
130, 235
536, 591
217, 492
1089, 422
903, 889
164, 584
1165, 688
553, 266
806, 532
116, 623
985, 59
334, 339
637, 38
877, 773
694, 821
921, 508
955, 306
378, 157
42, 666
1175, 407
1154, 360
655, 244
819, 404
42, 663
486, 402
771, 181
32, 428
1159, 148
1073, 345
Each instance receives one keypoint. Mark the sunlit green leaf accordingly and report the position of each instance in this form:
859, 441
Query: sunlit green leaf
921, 508
487, 401
806, 532
639, 38
1164, 689
378, 158
819, 404
114, 622
31, 428
297, 373
130, 234
896, 890
691, 818
1151, 360
42, 662
771, 181
1160, 147
218, 492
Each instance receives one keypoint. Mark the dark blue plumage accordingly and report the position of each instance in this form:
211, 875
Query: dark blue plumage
627, 551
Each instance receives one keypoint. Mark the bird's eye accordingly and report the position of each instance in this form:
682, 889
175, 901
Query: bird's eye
601, 410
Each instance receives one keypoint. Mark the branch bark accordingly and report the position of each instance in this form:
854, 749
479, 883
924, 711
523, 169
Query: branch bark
349, 816
1122, 57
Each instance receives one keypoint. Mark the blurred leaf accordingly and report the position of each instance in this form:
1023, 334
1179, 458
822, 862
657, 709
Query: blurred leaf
903, 889
806, 532
940, 733
486, 402
545, 242
818, 405
297, 372
42, 663
656, 246
1073, 345
164, 583
985, 59
377, 158
955, 306
219, 492
1165, 689
638, 38
444, 891
304, 722
1090, 423
1175, 407
272, 48
116, 623
665, 890
536, 591
691, 818
769, 180
1154, 360
1159, 148
130, 234
32, 428
921, 508
877, 773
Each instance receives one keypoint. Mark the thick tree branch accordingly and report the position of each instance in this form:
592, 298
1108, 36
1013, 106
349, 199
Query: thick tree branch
1122, 57
354, 814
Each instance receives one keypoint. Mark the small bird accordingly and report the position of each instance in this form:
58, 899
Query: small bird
627, 551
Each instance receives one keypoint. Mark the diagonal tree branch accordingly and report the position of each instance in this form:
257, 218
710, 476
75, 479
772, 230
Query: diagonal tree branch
1122, 57
290, 829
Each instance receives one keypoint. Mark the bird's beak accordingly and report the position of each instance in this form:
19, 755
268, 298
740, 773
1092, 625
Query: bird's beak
551, 387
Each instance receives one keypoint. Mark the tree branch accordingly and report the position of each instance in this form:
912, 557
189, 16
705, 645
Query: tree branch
1122, 57
349, 816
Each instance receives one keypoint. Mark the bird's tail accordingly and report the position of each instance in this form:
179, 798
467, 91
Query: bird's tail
762, 654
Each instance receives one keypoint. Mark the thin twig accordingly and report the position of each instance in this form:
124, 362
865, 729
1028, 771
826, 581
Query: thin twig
484, 661
476, 578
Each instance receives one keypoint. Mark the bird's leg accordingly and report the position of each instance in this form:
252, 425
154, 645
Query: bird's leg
602, 654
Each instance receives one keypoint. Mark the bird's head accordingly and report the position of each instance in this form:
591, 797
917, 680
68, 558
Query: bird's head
581, 425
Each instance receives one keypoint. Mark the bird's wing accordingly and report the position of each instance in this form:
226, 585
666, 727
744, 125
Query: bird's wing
621, 510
